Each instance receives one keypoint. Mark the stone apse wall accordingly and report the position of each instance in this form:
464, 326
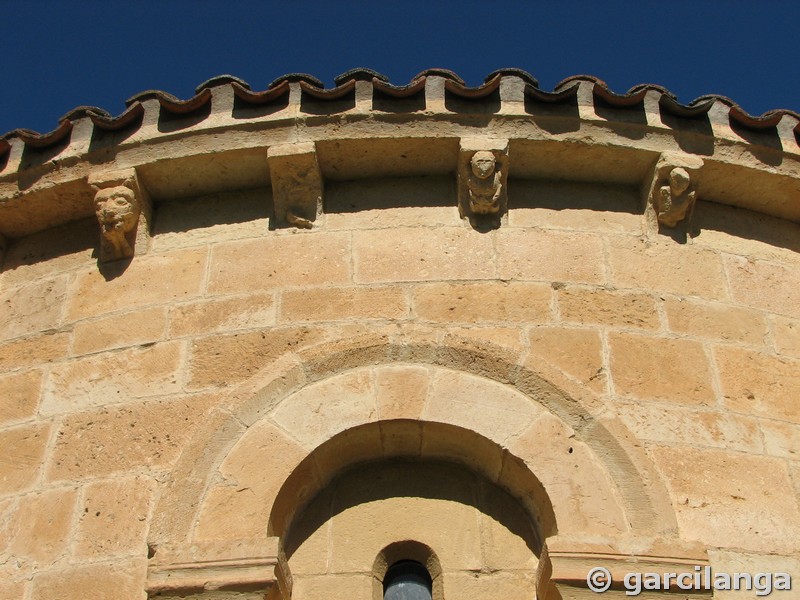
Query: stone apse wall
268, 343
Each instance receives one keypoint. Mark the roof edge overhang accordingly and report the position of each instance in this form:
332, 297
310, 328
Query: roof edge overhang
366, 127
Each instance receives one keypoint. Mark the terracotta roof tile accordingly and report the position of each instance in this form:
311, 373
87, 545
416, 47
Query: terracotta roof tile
473, 92
328, 93
513, 72
295, 77
446, 73
271, 93
359, 74
400, 91
221, 80
564, 91
171, 103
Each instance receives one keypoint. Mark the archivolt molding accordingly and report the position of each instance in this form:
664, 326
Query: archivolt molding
523, 445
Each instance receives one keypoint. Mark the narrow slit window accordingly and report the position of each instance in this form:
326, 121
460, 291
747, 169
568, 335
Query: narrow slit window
407, 580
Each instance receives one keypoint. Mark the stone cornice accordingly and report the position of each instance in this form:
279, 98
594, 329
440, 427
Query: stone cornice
221, 139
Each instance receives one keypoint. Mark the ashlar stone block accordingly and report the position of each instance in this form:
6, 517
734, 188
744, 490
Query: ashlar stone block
42, 526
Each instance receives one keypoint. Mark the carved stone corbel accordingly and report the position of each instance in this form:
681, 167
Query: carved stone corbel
672, 192
482, 182
124, 213
297, 184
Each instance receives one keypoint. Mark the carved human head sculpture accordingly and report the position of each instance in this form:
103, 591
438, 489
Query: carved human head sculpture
483, 164
679, 180
117, 210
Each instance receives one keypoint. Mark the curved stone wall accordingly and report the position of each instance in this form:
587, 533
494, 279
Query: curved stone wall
219, 326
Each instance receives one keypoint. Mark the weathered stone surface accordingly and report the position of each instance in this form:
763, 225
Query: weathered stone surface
483, 302
665, 266
285, 260
254, 471
745, 233
509, 338
50, 252
572, 205
41, 529
759, 384
33, 351
731, 500
226, 314
401, 391
607, 307
151, 279
542, 255
112, 378
725, 561
507, 532
333, 587
317, 412
226, 360
107, 581
577, 484
383, 203
419, 255
337, 304
32, 308
781, 439
507, 585
660, 369
209, 219
786, 333
232, 513
118, 331
431, 503
765, 285
718, 321
22, 456
10, 588
576, 352
672, 424
495, 411
114, 516
8, 508
20, 393
121, 438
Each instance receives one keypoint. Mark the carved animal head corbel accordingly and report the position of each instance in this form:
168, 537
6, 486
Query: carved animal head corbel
122, 209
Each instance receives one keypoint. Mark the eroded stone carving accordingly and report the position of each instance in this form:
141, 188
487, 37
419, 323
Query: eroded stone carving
122, 209
672, 192
675, 200
297, 184
118, 214
485, 186
482, 182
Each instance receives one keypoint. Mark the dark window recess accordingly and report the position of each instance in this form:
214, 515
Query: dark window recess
407, 580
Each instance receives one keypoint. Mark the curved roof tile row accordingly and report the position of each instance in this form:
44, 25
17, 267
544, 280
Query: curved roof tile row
564, 91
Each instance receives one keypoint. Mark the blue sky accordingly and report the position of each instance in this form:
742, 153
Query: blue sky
60, 54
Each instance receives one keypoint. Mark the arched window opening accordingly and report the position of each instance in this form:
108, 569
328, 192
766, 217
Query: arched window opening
407, 580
